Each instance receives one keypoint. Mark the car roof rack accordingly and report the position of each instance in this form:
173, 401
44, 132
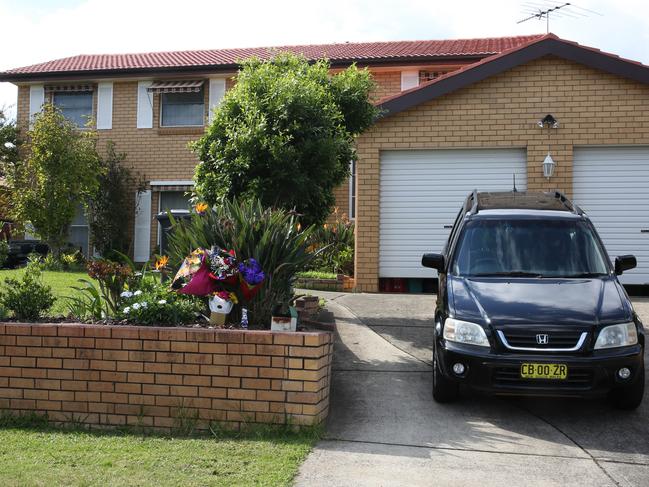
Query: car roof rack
483, 201
567, 203
471, 203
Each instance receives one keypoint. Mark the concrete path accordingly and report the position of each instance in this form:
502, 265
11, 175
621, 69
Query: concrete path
384, 428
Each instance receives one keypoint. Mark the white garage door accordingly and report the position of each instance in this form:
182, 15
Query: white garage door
611, 184
421, 192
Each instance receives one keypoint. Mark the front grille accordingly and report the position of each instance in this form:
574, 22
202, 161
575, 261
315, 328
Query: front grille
511, 377
523, 338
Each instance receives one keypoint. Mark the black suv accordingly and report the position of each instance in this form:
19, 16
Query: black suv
530, 304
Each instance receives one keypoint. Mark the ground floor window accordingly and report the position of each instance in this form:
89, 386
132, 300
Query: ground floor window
173, 200
79, 232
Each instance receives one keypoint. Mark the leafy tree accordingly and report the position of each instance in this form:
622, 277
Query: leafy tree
285, 135
60, 171
8, 157
109, 208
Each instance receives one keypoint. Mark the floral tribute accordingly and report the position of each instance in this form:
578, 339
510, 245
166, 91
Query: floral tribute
219, 275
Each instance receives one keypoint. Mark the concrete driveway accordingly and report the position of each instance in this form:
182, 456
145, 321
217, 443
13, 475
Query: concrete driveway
385, 429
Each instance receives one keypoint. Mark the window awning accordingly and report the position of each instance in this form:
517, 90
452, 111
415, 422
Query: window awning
72, 87
186, 86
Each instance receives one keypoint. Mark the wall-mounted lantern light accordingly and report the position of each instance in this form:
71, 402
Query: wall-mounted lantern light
548, 122
548, 166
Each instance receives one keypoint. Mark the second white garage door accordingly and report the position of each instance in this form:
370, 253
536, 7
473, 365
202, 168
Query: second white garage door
611, 184
421, 192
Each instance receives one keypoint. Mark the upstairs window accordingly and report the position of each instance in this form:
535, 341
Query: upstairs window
75, 103
428, 76
182, 103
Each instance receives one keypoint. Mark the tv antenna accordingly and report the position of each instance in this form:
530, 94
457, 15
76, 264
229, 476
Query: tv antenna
542, 9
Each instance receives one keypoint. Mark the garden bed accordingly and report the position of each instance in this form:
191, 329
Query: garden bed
157, 377
340, 283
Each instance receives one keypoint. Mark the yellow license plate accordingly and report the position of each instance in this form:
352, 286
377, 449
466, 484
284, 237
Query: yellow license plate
544, 371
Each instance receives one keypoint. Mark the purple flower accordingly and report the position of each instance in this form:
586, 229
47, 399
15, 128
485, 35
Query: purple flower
251, 272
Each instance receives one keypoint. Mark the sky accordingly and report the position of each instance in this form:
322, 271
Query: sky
34, 31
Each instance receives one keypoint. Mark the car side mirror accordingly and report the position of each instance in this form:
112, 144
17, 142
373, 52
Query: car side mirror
625, 263
434, 261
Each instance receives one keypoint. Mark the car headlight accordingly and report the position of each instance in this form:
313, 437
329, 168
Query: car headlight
620, 335
465, 332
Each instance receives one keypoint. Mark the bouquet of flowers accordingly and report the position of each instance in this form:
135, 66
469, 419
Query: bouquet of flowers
222, 265
251, 277
218, 275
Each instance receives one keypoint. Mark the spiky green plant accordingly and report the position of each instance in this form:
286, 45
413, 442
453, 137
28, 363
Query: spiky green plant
272, 237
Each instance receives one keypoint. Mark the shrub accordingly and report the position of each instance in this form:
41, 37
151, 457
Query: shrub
109, 208
4, 251
153, 303
272, 237
64, 262
285, 135
87, 302
335, 244
28, 298
112, 278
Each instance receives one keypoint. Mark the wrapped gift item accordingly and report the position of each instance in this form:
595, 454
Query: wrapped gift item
200, 283
220, 307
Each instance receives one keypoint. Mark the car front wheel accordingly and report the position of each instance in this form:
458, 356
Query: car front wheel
444, 390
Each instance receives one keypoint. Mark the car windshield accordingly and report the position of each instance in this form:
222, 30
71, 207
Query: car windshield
528, 248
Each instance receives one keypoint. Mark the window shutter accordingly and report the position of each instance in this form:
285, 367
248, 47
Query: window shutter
142, 234
409, 79
36, 100
217, 90
104, 106
144, 105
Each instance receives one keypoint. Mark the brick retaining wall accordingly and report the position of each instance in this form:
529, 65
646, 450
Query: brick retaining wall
158, 377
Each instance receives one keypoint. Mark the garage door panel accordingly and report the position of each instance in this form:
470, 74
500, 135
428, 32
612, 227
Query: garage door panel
421, 192
611, 184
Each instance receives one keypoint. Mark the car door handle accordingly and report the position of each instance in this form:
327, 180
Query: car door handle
451, 226
644, 230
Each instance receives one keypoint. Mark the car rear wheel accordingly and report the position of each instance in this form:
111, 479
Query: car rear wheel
629, 397
444, 390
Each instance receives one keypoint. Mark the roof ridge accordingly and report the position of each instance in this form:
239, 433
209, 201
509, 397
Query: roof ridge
344, 43
381, 51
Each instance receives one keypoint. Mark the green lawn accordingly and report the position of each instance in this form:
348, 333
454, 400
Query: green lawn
34, 457
60, 281
317, 275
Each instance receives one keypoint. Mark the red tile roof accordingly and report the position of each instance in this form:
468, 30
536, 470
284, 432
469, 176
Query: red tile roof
346, 52
542, 45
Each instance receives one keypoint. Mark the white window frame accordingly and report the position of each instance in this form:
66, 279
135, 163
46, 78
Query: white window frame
202, 124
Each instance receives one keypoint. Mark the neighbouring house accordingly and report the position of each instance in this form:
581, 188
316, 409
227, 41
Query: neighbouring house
458, 115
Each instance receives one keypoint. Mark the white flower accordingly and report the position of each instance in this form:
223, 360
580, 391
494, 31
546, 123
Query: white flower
162, 301
137, 293
138, 274
126, 294
127, 310
144, 304
136, 306
10, 145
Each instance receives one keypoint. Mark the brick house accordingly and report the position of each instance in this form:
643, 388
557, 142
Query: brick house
151, 105
458, 115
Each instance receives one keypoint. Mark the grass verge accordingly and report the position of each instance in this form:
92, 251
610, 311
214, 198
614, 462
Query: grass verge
32, 453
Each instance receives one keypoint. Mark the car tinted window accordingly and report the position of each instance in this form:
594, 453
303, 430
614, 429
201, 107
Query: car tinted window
547, 248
